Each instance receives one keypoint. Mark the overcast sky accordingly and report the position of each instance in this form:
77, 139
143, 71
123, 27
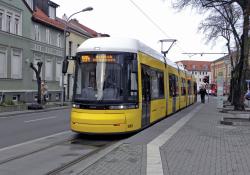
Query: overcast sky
146, 20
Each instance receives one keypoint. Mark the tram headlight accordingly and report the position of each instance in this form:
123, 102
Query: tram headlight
117, 107
75, 105
124, 107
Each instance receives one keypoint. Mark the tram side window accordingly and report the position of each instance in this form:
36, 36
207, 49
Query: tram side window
157, 85
154, 85
161, 84
176, 86
183, 86
189, 88
173, 88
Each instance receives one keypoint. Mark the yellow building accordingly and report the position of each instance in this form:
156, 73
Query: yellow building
222, 66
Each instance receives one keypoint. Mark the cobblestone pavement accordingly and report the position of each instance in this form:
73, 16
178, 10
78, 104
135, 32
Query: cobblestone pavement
127, 159
203, 146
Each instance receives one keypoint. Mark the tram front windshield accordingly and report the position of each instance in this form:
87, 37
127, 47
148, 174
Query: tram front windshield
102, 78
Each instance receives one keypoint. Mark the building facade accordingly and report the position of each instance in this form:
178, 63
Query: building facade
29, 33
222, 67
200, 70
15, 44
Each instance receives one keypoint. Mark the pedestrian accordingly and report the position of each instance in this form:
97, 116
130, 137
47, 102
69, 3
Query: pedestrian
202, 93
44, 89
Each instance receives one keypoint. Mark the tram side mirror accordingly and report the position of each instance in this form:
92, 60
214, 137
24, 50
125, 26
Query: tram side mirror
134, 66
65, 66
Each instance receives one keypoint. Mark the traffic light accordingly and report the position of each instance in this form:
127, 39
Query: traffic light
206, 79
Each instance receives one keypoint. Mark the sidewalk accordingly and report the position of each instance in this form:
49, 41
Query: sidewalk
195, 145
48, 107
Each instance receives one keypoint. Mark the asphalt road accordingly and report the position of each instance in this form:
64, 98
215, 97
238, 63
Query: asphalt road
25, 127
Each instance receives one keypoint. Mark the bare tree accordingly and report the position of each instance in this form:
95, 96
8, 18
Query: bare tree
223, 21
241, 71
38, 79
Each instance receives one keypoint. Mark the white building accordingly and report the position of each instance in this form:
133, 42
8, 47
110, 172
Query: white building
200, 69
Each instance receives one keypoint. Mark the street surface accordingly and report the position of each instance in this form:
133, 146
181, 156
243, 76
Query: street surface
25, 127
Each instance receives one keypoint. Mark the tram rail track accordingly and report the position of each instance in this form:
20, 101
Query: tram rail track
32, 152
77, 160
53, 158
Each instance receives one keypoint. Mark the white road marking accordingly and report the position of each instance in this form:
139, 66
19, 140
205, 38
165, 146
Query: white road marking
29, 121
33, 141
3, 117
154, 163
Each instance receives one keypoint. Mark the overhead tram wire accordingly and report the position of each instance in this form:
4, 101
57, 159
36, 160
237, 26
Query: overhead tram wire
150, 19
204, 53
153, 22
163, 32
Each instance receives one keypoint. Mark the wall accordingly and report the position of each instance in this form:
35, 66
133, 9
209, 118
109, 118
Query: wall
26, 86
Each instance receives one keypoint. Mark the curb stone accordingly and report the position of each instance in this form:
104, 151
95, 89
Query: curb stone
6, 114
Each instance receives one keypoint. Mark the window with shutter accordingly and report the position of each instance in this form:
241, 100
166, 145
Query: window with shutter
8, 23
3, 63
48, 69
16, 63
37, 33
1, 20
58, 70
48, 36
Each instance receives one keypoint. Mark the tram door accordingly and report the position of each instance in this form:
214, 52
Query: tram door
145, 96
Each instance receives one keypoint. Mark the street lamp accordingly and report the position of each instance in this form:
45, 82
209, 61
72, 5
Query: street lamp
64, 36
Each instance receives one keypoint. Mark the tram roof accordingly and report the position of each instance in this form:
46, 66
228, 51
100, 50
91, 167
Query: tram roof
170, 63
117, 45
121, 45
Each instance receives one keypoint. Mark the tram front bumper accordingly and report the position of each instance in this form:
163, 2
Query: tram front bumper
98, 123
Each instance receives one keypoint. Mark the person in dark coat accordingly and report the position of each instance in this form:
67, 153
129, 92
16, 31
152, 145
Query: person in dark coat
202, 93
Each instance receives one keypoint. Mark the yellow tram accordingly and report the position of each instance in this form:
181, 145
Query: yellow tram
122, 85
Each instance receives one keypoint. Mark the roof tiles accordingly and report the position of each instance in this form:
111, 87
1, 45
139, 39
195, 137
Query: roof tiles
191, 65
40, 16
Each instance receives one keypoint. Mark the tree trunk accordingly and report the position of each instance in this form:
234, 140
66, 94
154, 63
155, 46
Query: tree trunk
230, 97
38, 79
236, 88
237, 91
243, 63
39, 100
